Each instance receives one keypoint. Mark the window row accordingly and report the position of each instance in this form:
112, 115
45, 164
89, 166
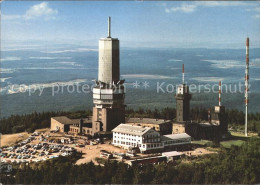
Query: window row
177, 141
117, 133
154, 145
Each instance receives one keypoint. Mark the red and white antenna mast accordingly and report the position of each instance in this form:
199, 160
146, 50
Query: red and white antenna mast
183, 74
219, 93
246, 83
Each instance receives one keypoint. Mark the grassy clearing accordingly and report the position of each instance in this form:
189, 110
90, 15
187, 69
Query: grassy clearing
242, 134
10, 139
228, 144
201, 142
213, 149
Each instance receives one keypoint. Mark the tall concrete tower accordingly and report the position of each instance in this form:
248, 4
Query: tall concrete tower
183, 98
108, 94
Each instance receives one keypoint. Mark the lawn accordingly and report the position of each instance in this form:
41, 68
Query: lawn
227, 144
201, 142
242, 134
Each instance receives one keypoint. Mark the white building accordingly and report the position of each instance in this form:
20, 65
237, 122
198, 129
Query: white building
145, 138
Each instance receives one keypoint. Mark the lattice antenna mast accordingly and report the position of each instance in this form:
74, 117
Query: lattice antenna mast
219, 93
183, 82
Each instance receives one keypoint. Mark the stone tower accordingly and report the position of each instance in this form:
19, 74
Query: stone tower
108, 93
183, 101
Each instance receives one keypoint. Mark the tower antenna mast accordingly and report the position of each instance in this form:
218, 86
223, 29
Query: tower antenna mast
246, 83
183, 74
109, 27
219, 94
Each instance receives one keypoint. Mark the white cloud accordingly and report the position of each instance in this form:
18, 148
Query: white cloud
208, 79
257, 16
191, 7
220, 3
11, 17
256, 10
10, 59
4, 79
225, 64
256, 62
174, 60
70, 50
186, 8
69, 63
49, 58
146, 76
41, 10
6, 70
22, 88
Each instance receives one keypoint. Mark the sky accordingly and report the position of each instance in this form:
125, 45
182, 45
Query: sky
210, 24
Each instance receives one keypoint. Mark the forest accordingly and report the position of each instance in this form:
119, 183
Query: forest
236, 165
30, 122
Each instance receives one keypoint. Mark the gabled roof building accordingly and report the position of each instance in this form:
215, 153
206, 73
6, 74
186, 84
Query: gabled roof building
146, 138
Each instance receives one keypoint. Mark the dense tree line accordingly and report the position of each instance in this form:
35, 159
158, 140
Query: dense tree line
30, 122
237, 165
166, 113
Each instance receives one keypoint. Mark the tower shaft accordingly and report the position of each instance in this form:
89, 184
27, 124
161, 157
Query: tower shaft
108, 66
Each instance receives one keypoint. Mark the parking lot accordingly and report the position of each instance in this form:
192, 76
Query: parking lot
34, 149
44, 145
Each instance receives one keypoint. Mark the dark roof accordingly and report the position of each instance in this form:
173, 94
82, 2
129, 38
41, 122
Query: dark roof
67, 121
147, 120
85, 120
63, 119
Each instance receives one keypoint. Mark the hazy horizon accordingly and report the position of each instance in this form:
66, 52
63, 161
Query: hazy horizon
10, 44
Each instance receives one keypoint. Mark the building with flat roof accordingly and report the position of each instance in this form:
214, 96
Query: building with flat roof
147, 160
172, 155
171, 140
